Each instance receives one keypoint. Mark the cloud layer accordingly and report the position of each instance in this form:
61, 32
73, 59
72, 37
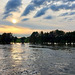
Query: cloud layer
44, 5
40, 6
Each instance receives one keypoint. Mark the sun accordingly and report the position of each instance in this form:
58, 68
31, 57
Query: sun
14, 21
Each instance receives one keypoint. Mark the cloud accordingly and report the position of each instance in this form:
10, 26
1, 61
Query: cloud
7, 16
37, 2
28, 9
68, 19
18, 29
68, 13
40, 12
64, 14
48, 17
54, 5
57, 8
72, 13
11, 6
15, 29
65, 4
25, 19
33, 5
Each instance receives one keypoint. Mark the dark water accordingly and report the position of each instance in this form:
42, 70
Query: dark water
26, 59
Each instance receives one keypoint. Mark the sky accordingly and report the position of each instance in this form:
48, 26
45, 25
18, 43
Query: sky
22, 17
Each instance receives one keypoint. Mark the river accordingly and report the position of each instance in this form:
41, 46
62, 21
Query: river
27, 59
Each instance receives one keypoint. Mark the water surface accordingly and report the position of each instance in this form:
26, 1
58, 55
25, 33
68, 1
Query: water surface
27, 59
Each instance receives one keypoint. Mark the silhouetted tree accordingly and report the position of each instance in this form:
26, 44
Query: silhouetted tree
6, 38
22, 40
27, 40
15, 39
57, 36
34, 37
41, 37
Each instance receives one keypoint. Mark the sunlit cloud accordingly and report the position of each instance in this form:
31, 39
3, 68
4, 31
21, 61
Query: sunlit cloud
18, 29
14, 29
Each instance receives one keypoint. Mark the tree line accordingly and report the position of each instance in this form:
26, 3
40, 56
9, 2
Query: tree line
52, 37
57, 36
8, 38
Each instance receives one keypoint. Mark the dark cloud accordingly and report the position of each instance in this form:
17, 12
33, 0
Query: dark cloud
72, 13
25, 19
33, 5
40, 12
64, 14
48, 17
7, 16
38, 2
28, 9
11, 6
62, 6
68, 13
68, 19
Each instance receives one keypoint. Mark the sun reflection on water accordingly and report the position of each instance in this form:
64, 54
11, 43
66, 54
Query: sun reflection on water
20, 53
16, 54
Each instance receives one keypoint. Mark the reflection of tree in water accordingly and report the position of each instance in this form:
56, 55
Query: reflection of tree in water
53, 62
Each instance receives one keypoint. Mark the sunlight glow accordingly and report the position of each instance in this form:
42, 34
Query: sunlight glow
14, 21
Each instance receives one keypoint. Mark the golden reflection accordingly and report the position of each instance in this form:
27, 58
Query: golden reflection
16, 55
20, 53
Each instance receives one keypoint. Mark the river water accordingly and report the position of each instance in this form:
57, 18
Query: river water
27, 59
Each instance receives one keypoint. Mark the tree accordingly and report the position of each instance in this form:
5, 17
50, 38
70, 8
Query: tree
15, 39
57, 36
22, 40
6, 38
34, 37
